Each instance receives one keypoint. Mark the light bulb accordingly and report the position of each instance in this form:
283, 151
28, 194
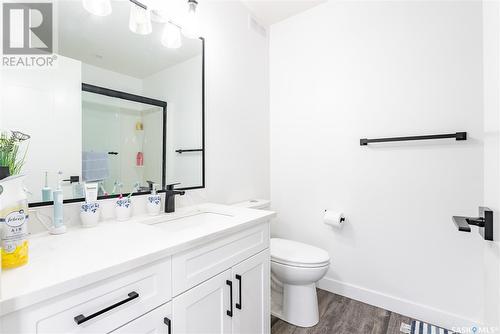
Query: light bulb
190, 26
140, 20
171, 36
98, 7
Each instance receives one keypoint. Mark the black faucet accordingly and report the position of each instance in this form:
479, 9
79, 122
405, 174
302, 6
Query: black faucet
170, 197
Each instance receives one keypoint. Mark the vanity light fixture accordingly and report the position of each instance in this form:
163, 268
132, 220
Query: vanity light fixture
171, 36
140, 18
190, 26
98, 7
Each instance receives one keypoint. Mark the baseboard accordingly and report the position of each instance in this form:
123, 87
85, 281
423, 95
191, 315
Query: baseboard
405, 307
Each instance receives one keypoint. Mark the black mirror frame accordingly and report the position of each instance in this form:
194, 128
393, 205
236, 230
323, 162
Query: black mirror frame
159, 103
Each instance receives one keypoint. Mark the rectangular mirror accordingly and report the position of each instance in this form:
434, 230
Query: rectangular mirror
118, 108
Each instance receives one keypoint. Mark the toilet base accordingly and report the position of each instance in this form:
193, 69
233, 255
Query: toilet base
299, 305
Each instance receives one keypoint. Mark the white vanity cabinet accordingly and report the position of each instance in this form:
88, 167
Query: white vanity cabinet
252, 291
235, 301
203, 309
207, 281
218, 285
158, 321
98, 308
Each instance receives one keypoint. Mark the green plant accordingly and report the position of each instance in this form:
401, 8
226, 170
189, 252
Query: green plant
10, 155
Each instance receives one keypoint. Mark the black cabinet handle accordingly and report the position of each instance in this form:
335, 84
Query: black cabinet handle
168, 322
80, 319
238, 305
230, 312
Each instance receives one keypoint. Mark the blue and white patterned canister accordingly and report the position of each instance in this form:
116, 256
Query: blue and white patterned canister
123, 208
154, 204
89, 214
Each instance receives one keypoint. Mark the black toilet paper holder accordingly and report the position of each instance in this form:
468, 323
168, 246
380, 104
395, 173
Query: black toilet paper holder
484, 222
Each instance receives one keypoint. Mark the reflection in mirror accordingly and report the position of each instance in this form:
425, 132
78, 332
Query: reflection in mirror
90, 136
122, 144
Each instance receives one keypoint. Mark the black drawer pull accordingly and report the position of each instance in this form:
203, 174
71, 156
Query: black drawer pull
230, 312
238, 305
80, 319
168, 322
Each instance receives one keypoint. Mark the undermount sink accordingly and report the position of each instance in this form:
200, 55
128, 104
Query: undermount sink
196, 221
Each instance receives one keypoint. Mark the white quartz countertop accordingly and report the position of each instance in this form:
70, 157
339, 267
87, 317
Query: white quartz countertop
82, 256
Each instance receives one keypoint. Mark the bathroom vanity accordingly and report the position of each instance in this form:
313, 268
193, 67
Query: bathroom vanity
203, 269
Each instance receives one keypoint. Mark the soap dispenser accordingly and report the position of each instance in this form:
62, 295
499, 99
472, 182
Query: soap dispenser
58, 226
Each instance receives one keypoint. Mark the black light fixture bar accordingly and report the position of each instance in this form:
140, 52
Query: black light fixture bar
140, 4
456, 136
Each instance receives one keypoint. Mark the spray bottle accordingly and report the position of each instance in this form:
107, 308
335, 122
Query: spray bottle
14, 222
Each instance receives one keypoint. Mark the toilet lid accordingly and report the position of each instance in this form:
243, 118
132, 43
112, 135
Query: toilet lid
297, 253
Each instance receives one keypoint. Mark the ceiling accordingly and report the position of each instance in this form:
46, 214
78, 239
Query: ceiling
269, 12
108, 43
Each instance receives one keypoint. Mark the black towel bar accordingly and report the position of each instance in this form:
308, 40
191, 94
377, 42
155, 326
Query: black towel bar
456, 135
191, 150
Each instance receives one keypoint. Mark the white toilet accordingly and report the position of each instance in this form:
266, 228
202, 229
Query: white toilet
295, 269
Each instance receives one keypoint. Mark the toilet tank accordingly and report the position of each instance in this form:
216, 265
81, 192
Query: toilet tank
259, 204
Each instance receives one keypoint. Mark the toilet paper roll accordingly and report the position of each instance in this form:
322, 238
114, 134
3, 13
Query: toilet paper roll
333, 218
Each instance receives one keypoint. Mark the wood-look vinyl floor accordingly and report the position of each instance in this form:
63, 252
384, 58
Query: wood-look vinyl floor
341, 315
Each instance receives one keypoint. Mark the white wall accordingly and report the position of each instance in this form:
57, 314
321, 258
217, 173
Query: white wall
349, 70
491, 70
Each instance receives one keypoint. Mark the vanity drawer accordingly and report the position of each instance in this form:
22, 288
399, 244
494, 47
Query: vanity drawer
196, 265
100, 308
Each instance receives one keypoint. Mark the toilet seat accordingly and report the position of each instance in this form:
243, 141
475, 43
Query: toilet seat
297, 254
301, 265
